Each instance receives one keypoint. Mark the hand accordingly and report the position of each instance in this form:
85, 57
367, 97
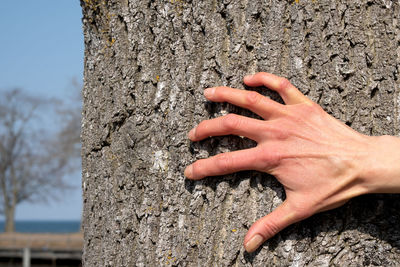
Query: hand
320, 161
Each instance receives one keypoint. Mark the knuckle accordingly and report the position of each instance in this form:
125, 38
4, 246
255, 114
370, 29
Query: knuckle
220, 90
231, 122
301, 210
306, 110
279, 132
224, 163
253, 97
270, 156
292, 113
270, 228
284, 84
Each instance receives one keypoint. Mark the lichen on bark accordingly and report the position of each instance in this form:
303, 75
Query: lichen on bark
146, 66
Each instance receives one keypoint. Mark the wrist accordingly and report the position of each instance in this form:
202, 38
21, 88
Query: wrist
381, 168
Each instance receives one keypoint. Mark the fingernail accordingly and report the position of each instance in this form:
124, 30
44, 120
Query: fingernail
189, 171
209, 92
249, 76
192, 133
254, 243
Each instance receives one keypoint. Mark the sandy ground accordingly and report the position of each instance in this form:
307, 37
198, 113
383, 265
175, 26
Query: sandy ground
42, 241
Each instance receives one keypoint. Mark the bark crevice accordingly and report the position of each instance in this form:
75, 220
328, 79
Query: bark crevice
146, 66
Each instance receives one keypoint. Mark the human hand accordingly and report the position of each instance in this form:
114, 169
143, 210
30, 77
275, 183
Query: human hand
320, 161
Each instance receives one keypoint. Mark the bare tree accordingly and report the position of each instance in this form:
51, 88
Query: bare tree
34, 158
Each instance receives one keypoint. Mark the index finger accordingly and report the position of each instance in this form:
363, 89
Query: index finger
251, 100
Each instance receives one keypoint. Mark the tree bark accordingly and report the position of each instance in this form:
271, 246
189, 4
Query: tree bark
146, 65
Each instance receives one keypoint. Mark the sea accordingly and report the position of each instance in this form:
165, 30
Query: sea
45, 226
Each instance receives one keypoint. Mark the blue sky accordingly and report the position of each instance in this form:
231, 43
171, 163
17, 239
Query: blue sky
41, 51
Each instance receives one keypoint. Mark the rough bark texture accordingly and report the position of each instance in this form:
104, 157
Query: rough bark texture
146, 65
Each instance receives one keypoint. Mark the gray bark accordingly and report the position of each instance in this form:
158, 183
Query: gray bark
146, 65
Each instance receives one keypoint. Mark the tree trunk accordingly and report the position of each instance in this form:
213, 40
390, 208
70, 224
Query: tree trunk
146, 65
8, 203
9, 213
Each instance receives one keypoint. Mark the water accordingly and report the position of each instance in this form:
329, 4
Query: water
45, 226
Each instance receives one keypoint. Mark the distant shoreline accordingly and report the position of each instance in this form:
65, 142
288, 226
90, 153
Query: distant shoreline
45, 226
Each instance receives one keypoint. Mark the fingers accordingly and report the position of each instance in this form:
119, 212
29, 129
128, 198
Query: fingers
229, 124
270, 225
225, 163
251, 100
289, 93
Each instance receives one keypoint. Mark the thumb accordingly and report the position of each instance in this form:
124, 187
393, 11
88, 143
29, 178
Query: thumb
269, 225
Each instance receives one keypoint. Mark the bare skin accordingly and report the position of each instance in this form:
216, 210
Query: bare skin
321, 162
